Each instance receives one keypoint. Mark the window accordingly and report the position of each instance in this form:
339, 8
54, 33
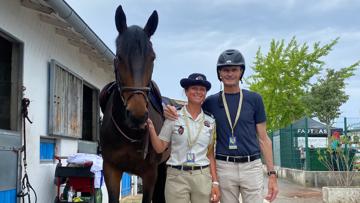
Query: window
73, 107
47, 149
9, 82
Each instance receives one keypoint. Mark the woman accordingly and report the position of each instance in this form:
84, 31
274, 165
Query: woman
191, 173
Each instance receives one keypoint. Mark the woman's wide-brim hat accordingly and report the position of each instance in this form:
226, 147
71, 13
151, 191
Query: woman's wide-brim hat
195, 79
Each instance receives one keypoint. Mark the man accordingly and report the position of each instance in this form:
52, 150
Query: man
241, 135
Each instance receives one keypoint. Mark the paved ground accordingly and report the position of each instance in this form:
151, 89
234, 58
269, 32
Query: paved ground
289, 193
293, 193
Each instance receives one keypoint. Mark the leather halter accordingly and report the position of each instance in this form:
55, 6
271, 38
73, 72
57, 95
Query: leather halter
133, 91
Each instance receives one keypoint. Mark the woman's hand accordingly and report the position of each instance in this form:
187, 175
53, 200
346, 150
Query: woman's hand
158, 144
215, 193
151, 127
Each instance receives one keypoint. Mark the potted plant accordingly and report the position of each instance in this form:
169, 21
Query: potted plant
339, 158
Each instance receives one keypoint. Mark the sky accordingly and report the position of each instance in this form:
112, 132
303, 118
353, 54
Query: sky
192, 33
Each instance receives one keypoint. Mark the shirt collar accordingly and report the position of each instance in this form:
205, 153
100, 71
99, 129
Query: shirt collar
187, 114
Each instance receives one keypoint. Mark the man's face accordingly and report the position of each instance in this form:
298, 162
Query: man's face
230, 75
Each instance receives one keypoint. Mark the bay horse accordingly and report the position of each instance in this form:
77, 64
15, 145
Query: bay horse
124, 137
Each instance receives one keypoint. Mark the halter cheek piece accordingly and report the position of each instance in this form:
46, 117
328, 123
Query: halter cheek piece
133, 90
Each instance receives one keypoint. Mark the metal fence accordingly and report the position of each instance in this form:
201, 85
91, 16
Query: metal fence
297, 146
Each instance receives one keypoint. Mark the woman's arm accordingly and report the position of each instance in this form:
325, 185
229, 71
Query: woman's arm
158, 144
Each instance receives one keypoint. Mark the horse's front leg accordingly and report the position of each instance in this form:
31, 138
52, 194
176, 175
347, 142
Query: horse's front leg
149, 179
112, 179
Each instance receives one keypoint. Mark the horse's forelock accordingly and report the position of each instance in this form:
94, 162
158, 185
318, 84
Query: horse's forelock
134, 35
133, 46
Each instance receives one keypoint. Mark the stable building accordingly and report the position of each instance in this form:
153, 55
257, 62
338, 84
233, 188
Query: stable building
49, 55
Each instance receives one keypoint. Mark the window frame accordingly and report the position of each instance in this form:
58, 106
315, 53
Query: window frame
95, 112
91, 146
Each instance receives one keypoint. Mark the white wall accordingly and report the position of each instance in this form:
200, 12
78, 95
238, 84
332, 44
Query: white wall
41, 44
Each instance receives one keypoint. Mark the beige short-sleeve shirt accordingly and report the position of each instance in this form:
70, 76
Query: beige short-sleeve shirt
177, 133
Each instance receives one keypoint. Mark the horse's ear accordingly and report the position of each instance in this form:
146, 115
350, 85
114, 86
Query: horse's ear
120, 20
151, 24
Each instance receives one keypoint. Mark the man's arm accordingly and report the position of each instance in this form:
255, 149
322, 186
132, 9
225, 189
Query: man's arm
266, 149
215, 188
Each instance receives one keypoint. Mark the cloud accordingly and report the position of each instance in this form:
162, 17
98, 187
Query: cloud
192, 34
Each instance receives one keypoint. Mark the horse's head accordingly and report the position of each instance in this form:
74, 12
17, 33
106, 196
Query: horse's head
133, 66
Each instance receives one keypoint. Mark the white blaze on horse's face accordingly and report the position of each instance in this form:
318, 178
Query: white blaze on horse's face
134, 65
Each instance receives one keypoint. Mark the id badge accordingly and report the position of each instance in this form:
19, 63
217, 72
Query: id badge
232, 143
190, 157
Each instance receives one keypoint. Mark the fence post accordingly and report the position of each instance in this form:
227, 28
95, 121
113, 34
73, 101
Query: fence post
307, 152
292, 147
345, 133
345, 126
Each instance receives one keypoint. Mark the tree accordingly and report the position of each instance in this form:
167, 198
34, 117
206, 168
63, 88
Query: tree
282, 78
328, 94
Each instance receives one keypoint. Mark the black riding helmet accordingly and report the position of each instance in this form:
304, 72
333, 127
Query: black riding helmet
230, 57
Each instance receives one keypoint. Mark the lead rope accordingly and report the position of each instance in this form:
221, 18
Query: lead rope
26, 187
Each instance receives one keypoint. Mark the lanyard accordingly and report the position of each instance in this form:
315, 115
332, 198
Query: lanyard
192, 142
228, 113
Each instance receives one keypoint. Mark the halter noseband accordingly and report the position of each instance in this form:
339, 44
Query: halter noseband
133, 91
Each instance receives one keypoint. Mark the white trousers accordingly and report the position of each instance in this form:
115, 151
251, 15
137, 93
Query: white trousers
245, 178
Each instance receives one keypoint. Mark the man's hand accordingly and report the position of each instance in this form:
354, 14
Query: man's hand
170, 112
272, 188
215, 193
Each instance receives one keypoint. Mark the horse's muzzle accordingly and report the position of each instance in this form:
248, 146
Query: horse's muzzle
137, 122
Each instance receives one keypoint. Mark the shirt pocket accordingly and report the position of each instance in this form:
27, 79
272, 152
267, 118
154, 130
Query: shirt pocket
178, 133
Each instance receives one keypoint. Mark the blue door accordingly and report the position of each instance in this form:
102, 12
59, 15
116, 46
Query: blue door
125, 185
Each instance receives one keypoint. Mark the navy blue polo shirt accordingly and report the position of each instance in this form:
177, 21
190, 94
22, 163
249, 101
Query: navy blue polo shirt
252, 113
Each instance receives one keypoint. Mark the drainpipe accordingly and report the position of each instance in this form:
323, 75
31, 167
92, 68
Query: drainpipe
69, 15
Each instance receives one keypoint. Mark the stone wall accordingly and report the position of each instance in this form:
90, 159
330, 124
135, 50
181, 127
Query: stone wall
317, 178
